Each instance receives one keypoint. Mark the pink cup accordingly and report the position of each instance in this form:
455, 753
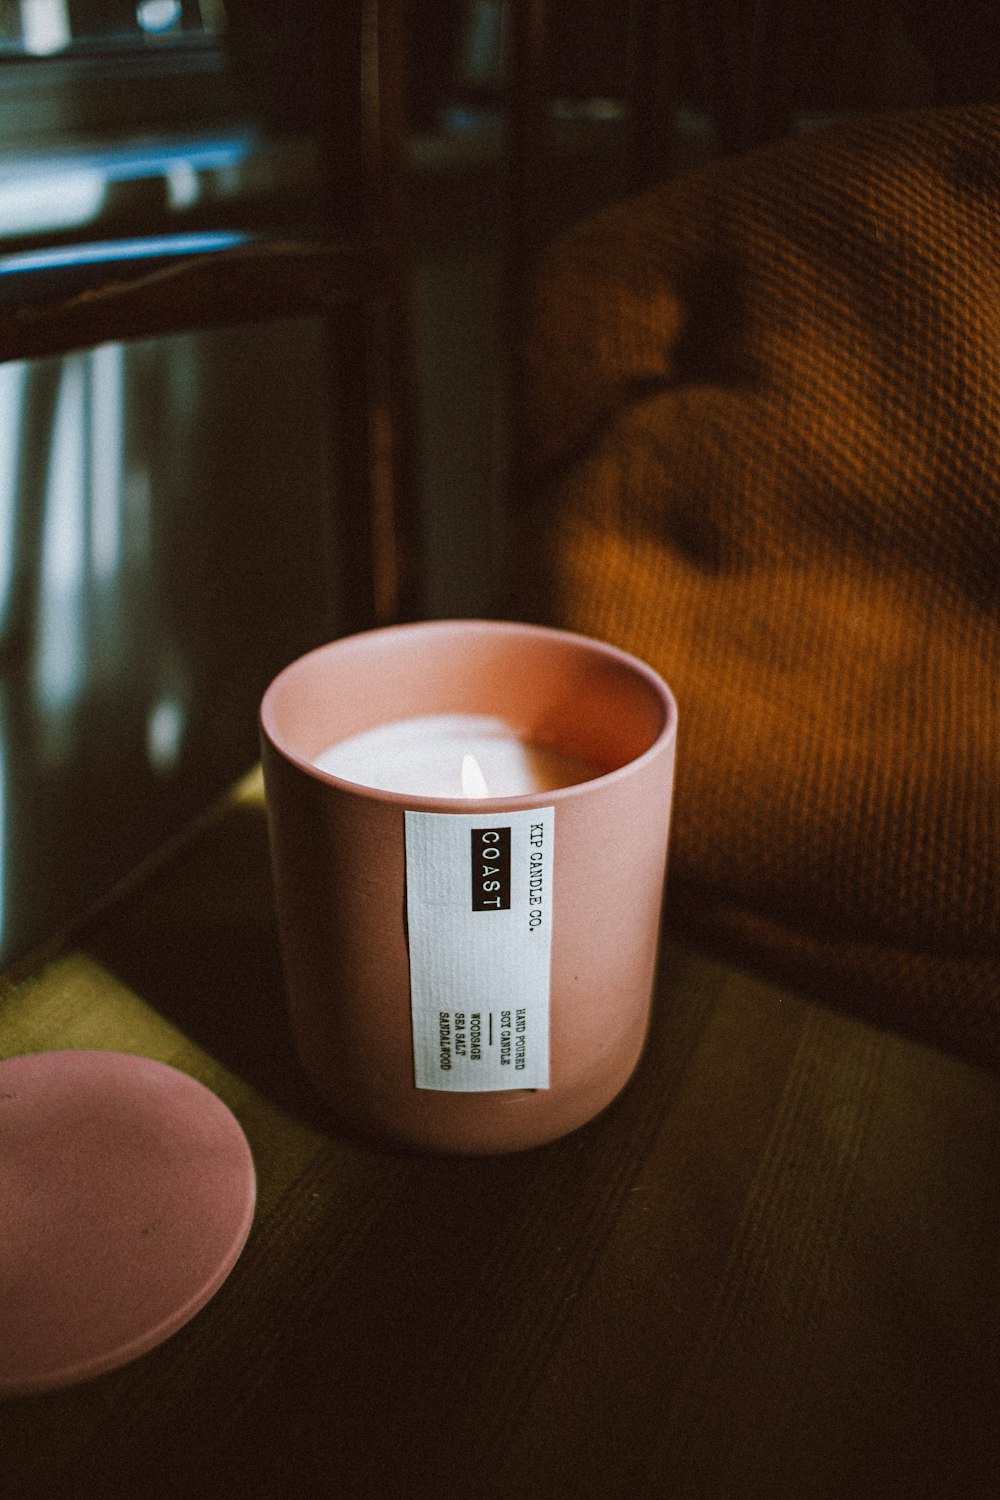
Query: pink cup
339, 859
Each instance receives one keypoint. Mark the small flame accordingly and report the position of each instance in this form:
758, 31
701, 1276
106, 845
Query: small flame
474, 783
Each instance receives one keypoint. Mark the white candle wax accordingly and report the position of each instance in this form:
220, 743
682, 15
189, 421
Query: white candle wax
423, 757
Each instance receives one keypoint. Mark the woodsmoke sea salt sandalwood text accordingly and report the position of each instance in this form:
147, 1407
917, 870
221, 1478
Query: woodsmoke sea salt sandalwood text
460, 974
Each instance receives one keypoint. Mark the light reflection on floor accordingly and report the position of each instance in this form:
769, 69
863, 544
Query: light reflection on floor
161, 556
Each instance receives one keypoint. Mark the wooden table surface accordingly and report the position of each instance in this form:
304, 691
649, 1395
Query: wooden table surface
771, 1269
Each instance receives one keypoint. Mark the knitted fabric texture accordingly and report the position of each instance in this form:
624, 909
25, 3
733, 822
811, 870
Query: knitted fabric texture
762, 413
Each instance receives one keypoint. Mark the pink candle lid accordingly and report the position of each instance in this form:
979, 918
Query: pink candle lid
127, 1192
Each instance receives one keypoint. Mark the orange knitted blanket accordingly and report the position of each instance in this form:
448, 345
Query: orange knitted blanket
763, 426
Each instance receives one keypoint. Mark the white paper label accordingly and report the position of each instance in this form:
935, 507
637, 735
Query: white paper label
479, 918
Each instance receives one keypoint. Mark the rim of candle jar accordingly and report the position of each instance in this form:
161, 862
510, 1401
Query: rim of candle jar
417, 801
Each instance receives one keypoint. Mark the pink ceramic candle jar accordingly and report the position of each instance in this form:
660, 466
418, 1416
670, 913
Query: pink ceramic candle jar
424, 1014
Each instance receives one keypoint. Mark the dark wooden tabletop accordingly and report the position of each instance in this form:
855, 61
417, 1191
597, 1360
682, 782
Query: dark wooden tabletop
770, 1269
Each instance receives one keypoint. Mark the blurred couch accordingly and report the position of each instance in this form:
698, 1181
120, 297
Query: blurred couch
762, 450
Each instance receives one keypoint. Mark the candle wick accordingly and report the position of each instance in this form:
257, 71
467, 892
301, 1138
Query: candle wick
474, 783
